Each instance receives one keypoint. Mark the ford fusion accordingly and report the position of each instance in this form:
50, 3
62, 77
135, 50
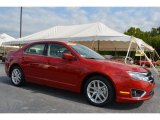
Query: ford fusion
76, 68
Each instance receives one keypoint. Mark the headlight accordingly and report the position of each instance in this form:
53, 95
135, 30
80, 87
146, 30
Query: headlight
138, 76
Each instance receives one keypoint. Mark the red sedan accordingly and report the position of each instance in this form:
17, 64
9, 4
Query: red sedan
77, 68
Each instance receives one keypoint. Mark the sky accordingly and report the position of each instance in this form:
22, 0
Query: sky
36, 19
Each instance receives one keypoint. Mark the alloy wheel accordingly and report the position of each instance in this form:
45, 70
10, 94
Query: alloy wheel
97, 91
16, 76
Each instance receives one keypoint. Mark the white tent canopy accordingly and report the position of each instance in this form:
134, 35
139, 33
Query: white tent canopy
85, 34
5, 38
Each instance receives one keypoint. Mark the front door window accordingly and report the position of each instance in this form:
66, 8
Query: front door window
57, 50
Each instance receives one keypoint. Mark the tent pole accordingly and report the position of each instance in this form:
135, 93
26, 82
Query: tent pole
157, 54
128, 49
4, 50
140, 61
98, 45
20, 46
92, 44
142, 52
151, 64
115, 53
94, 39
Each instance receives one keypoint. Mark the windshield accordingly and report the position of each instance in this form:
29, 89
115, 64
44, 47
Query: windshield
86, 52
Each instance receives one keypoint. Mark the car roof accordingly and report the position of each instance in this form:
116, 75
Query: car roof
51, 41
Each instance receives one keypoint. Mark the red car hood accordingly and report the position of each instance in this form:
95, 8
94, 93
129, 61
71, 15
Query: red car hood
122, 66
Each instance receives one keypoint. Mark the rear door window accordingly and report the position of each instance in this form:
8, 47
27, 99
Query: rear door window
36, 49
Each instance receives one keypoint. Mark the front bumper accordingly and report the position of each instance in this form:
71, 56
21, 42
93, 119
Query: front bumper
124, 92
149, 92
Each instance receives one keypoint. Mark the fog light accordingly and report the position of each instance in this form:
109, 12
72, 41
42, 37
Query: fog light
137, 93
151, 93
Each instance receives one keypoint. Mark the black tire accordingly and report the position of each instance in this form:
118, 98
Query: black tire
3, 60
21, 78
111, 92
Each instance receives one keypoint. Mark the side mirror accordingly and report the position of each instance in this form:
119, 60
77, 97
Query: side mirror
68, 56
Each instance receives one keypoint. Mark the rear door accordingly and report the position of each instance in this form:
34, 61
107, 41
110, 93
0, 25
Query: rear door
34, 62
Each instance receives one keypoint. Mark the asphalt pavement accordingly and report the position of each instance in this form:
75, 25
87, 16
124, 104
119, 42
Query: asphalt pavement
33, 98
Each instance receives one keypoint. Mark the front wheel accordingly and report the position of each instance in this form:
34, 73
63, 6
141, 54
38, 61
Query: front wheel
17, 77
99, 91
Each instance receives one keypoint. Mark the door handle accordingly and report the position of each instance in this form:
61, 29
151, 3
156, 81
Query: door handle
49, 62
52, 65
22, 58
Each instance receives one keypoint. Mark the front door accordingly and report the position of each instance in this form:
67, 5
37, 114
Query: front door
62, 73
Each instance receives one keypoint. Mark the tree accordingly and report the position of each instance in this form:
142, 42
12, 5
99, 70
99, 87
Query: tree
151, 37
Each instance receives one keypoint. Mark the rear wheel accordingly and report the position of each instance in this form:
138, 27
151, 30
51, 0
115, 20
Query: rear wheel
17, 77
3, 60
98, 91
